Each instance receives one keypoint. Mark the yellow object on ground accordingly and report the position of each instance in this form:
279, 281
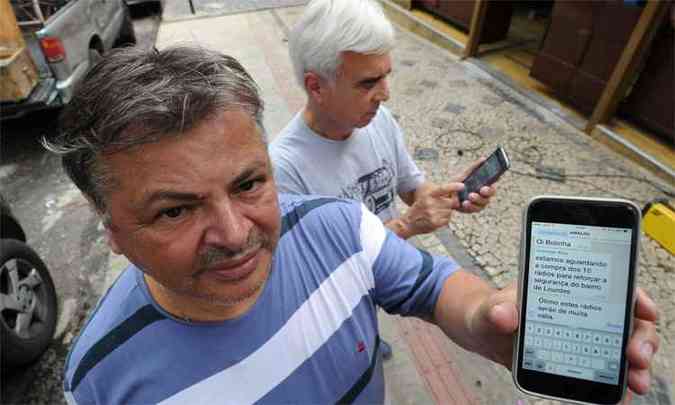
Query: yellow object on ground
658, 221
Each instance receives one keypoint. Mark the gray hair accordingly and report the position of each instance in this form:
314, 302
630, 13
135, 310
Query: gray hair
135, 96
329, 27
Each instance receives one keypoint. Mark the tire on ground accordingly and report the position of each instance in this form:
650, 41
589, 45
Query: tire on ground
22, 350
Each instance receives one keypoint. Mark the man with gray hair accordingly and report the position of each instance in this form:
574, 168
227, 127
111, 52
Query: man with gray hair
345, 142
237, 294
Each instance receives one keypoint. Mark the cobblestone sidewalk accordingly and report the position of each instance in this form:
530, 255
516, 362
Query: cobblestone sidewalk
453, 113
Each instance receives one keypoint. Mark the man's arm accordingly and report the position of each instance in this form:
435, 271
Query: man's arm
458, 314
484, 320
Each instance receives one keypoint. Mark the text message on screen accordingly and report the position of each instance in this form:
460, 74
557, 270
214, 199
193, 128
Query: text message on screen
577, 285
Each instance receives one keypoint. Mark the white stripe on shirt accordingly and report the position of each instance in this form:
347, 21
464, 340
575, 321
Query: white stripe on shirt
373, 234
304, 333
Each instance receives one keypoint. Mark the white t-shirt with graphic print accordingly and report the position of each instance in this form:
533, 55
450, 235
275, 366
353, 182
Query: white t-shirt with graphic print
371, 166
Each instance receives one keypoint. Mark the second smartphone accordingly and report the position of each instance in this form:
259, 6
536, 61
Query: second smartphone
487, 173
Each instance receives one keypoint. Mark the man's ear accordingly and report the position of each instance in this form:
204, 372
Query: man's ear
112, 241
314, 86
105, 218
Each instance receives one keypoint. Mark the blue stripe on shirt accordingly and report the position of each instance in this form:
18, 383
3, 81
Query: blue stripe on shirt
401, 293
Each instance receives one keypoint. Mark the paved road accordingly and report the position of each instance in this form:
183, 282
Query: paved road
63, 230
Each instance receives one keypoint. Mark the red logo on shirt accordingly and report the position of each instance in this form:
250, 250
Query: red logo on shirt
360, 346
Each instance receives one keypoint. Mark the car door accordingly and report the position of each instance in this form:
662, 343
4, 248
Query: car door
105, 15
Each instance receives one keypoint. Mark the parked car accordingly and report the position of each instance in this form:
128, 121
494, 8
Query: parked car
53, 45
28, 304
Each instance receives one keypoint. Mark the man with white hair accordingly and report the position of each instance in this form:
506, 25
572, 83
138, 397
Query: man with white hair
344, 142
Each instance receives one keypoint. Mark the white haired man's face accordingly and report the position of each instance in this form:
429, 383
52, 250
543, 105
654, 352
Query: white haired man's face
359, 89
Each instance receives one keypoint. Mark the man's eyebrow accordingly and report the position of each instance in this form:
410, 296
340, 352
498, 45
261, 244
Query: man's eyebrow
163, 195
169, 195
249, 172
374, 79
245, 175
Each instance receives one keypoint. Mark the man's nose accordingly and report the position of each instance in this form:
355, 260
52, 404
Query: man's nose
382, 93
227, 227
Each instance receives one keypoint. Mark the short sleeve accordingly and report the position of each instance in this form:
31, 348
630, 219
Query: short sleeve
408, 281
410, 177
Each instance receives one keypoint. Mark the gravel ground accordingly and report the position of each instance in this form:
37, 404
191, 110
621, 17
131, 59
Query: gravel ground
453, 113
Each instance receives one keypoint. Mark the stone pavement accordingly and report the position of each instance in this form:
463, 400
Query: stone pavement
188, 9
452, 113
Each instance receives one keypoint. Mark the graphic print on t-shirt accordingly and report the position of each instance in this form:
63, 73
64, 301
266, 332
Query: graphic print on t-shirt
375, 189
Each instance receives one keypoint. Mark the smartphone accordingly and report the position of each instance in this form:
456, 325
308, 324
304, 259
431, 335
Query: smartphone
578, 269
487, 173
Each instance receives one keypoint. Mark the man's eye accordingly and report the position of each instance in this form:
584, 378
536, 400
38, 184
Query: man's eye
250, 185
173, 212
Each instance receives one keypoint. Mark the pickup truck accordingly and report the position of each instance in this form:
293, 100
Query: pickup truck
61, 40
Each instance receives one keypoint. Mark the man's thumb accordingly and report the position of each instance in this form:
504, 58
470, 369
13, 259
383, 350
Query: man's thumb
504, 317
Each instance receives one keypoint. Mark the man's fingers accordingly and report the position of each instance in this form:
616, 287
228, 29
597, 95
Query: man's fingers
645, 307
447, 190
642, 344
639, 381
488, 191
478, 201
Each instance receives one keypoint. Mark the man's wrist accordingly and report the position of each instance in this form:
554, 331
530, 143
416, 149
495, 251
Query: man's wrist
400, 228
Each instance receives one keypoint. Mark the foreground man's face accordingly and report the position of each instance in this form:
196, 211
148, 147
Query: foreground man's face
198, 213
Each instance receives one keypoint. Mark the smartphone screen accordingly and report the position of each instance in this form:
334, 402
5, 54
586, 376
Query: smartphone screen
577, 297
487, 173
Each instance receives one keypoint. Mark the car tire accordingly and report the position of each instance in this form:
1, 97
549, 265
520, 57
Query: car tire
28, 308
127, 35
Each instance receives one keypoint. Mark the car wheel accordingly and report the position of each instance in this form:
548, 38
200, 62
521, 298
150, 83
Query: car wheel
127, 35
28, 306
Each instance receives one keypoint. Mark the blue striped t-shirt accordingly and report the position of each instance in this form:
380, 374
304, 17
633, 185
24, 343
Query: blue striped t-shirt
311, 337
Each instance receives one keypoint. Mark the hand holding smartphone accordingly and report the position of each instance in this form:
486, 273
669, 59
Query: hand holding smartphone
486, 174
578, 268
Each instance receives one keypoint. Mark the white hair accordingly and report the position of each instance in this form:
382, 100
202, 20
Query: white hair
329, 27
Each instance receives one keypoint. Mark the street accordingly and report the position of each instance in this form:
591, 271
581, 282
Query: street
64, 231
